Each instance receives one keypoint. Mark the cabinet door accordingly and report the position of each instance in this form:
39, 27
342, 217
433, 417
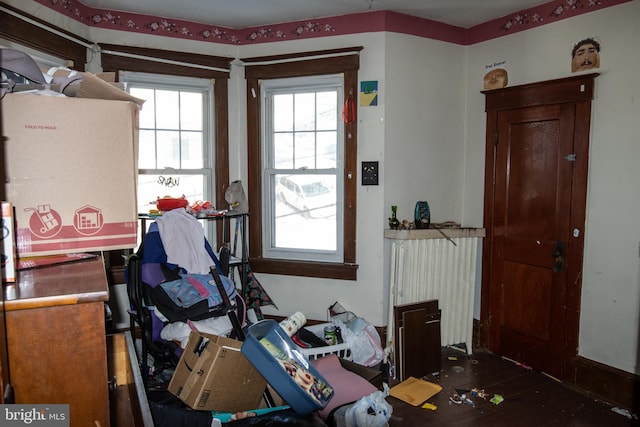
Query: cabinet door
417, 331
58, 355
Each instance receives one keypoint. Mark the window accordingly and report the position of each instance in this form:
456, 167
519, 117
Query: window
166, 67
302, 151
174, 155
302, 161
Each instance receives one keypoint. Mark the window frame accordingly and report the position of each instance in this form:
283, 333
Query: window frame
157, 61
187, 84
295, 85
338, 61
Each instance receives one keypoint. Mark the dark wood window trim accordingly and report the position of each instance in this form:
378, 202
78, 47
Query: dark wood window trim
150, 61
186, 65
299, 65
38, 38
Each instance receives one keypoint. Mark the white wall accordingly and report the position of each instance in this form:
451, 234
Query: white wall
424, 133
419, 144
609, 321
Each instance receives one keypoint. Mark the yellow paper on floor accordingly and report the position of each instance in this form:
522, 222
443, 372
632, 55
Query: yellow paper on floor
414, 391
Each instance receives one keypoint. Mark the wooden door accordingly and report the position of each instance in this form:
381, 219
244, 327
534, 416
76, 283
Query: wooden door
537, 156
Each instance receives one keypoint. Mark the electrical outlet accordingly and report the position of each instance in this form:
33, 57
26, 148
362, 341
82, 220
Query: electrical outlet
369, 173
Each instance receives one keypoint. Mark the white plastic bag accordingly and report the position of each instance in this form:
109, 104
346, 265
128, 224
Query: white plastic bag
234, 195
369, 411
364, 341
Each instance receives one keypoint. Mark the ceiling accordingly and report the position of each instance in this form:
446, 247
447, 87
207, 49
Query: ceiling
237, 14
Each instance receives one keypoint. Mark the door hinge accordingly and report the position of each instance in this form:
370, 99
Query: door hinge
570, 157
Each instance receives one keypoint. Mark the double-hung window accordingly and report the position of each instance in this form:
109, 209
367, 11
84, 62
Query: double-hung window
302, 151
303, 167
174, 156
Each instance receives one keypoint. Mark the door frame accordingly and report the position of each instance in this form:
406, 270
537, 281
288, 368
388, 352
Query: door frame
577, 90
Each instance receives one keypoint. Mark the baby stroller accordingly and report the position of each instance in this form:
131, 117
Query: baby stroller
170, 285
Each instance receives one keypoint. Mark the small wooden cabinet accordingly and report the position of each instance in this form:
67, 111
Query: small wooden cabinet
417, 346
55, 328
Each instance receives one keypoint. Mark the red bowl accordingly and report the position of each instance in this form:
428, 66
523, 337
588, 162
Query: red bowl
167, 204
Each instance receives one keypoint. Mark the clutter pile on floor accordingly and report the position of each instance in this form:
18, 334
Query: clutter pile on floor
286, 373
205, 359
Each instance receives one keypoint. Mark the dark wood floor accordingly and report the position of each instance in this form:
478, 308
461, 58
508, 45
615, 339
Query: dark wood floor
530, 398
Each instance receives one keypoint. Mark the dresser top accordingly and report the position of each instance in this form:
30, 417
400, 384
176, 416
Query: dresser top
60, 284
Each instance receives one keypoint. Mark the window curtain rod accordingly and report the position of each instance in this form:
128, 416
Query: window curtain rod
249, 63
164, 61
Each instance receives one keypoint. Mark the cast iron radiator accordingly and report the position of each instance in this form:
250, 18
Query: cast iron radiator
425, 269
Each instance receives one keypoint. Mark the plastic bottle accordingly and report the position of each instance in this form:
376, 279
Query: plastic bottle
293, 323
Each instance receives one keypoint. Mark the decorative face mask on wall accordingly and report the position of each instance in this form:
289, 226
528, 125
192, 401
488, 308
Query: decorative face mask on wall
496, 79
585, 55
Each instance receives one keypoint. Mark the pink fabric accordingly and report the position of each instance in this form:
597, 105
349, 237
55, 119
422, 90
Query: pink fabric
204, 292
348, 387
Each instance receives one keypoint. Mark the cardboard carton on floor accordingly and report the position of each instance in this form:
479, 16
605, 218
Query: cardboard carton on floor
213, 374
71, 165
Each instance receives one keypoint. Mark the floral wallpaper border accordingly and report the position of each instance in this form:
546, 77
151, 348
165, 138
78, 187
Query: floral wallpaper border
339, 25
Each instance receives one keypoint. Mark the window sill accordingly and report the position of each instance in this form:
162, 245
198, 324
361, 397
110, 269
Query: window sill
305, 268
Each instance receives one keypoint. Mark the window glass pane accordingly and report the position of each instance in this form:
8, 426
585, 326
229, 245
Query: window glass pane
283, 113
191, 150
326, 150
283, 150
305, 150
305, 111
150, 187
168, 149
147, 149
147, 113
305, 212
191, 111
168, 111
326, 110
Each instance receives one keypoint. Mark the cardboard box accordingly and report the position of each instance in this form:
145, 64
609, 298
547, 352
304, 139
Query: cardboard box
71, 165
213, 374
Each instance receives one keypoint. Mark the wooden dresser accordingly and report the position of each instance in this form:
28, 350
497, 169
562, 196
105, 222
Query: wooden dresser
55, 326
